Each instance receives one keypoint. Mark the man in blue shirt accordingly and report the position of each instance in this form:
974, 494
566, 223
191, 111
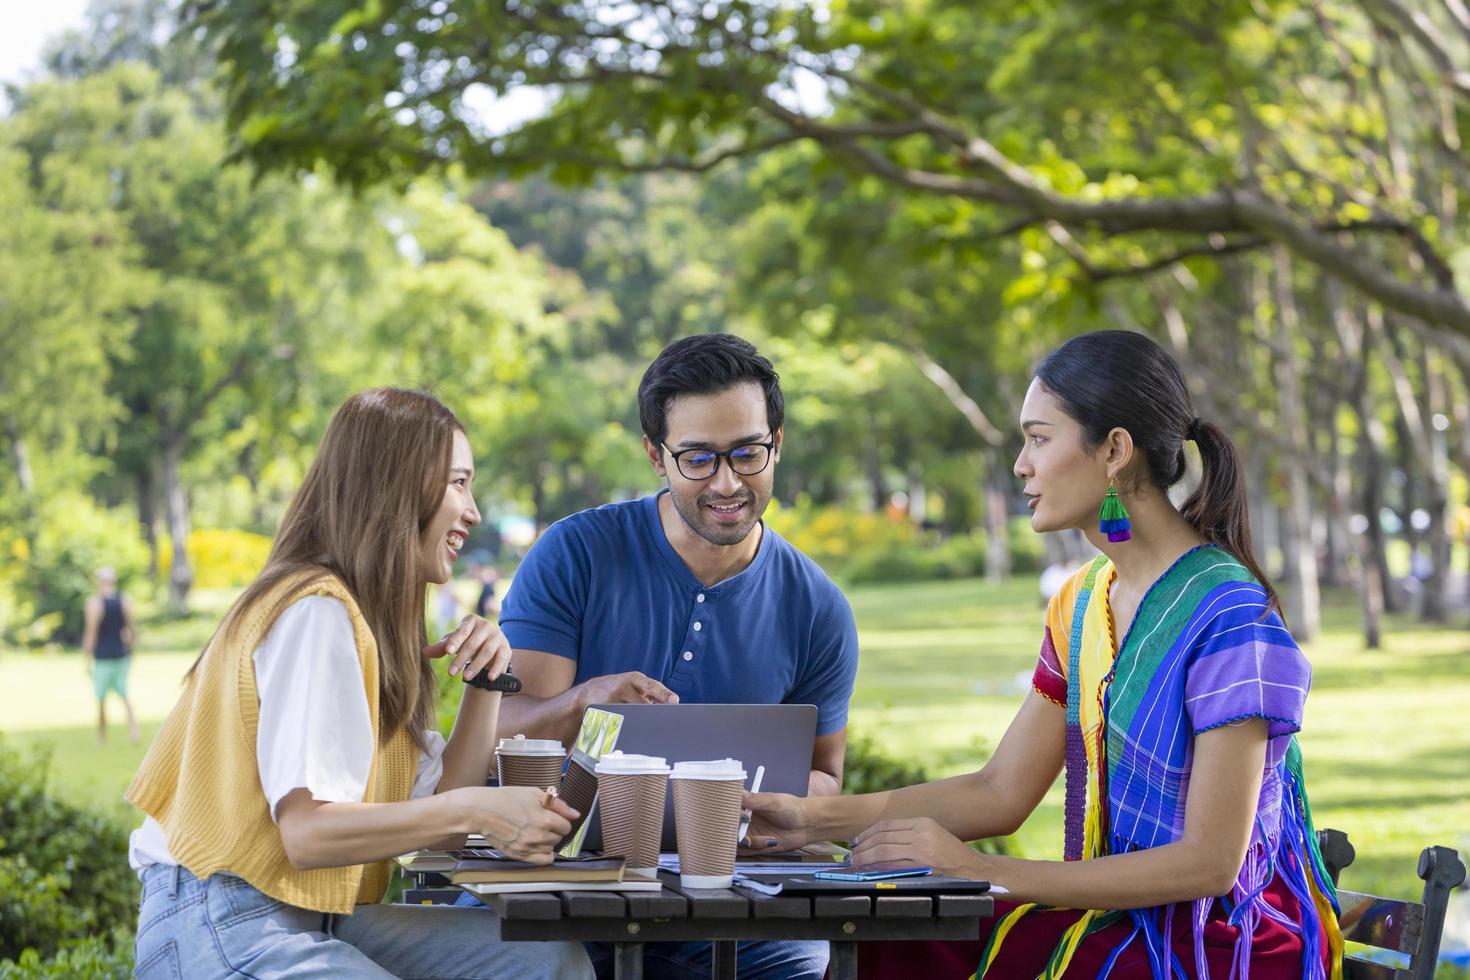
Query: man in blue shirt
686, 595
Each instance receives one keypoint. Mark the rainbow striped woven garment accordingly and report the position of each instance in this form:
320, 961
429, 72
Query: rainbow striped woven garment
1203, 651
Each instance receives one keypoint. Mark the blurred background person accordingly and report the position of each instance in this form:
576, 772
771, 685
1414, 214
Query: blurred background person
107, 643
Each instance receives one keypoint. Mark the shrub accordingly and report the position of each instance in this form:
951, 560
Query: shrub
962, 556
71, 538
1028, 553
108, 957
63, 871
866, 769
833, 536
222, 558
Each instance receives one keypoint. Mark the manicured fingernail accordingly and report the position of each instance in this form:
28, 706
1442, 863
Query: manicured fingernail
453, 647
453, 670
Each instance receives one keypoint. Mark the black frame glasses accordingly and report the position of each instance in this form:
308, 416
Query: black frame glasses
728, 456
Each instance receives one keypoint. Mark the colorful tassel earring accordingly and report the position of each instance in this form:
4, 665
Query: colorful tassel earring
1113, 518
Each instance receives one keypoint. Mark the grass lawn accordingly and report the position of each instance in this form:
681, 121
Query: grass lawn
944, 666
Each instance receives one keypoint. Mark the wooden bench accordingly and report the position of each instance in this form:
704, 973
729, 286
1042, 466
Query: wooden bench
1415, 928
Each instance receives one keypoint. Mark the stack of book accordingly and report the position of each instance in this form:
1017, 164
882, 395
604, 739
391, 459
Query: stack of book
484, 874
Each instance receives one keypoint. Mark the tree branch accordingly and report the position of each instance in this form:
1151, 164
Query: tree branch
967, 406
1425, 33
1216, 247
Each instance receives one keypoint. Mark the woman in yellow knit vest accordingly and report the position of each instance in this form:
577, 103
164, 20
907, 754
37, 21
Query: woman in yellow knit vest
303, 755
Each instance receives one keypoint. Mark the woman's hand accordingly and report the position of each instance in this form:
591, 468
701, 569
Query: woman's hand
474, 644
778, 821
916, 843
522, 822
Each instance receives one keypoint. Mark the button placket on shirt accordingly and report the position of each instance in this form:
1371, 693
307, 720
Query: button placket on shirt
693, 635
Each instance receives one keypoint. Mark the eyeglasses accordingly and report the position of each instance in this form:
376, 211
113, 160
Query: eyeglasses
701, 464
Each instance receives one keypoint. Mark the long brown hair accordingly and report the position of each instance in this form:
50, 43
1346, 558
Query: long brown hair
377, 479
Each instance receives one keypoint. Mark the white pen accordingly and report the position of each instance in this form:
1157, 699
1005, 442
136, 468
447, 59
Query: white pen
755, 787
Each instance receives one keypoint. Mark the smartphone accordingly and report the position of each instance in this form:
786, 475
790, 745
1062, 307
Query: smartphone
876, 875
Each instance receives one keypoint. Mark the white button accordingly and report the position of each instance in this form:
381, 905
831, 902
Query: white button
699, 598
698, 627
688, 655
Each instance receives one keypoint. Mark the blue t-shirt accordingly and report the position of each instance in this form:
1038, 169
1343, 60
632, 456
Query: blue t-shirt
606, 589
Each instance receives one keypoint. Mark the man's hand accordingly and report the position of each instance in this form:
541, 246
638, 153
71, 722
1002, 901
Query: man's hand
915, 843
632, 687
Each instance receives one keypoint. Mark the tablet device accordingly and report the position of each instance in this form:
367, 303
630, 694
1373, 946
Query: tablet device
777, 736
930, 884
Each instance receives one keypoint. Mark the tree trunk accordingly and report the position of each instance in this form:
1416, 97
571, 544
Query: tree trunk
873, 468
918, 496
1422, 450
1372, 593
1372, 548
148, 515
1328, 447
1460, 405
20, 456
539, 472
1258, 487
1300, 558
176, 512
1437, 538
997, 535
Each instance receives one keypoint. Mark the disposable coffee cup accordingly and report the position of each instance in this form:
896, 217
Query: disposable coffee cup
523, 761
707, 817
631, 790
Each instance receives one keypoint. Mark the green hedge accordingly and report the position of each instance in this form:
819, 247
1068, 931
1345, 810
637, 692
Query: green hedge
867, 770
108, 957
70, 898
46, 577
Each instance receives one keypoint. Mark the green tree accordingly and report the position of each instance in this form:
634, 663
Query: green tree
1133, 135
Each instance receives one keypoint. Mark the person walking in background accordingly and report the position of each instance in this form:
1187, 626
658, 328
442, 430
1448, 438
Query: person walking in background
107, 643
487, 606
446, 606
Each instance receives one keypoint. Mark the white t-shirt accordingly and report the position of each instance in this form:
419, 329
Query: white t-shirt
314, 731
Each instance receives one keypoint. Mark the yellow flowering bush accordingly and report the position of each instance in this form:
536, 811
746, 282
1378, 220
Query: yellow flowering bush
834, 536
222, 558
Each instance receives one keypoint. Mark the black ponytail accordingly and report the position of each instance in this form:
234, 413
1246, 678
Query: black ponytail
1118, 379
1218, 507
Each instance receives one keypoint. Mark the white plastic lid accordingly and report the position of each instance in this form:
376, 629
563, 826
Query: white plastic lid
713, 769
627, 762
521, 745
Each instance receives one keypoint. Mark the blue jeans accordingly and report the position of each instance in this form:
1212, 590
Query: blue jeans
223, 927
796, 959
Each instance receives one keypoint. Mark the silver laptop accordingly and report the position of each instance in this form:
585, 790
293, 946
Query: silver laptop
777, 736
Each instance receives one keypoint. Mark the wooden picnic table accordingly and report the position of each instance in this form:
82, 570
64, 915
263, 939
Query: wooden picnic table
723, 916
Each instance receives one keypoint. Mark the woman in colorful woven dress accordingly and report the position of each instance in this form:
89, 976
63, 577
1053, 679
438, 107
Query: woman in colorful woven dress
303, 753
1168, 689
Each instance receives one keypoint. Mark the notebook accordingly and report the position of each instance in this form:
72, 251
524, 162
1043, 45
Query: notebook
925, 885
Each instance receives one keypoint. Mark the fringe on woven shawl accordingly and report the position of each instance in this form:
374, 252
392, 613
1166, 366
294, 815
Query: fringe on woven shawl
1292, 859
998, 935
1316, 884
1092, 921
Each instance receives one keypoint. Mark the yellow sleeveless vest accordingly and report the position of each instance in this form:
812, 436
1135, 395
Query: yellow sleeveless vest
200, 779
